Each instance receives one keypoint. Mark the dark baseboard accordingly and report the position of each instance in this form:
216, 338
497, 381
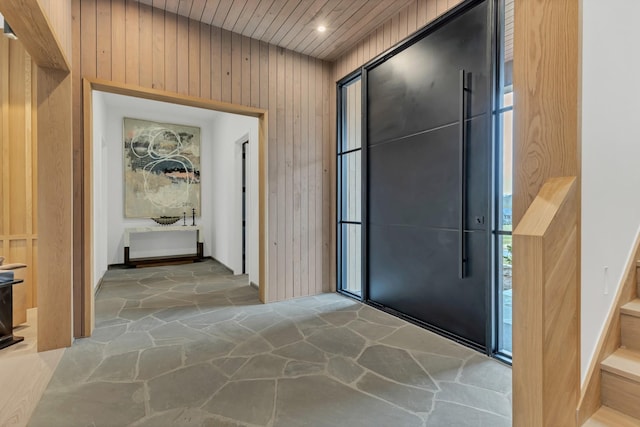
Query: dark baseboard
253, 285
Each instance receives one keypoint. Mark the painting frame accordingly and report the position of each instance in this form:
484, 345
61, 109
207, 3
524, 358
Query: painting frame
161, 163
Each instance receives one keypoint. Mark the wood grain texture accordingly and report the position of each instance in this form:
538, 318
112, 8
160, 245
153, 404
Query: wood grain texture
607, 417
292, 24
546, 324
545, 84
621, 394
55, 216
18, 227
31, 24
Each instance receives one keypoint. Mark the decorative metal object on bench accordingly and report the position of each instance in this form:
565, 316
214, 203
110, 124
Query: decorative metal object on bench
166, 220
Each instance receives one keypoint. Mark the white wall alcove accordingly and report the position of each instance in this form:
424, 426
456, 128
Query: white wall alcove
221, 185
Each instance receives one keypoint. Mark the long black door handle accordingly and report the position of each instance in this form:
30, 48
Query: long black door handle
462, 164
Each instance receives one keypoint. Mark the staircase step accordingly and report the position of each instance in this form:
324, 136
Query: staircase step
607, 417
630, 325
621, 382
623, 362
631, 308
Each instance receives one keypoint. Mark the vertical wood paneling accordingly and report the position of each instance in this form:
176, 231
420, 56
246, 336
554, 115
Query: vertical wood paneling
170, 52
103, 38
17, 166
192, 58
273, 172
281, 172
296, 144
132, 67
157, 58
118, 41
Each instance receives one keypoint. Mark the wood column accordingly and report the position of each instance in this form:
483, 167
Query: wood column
55, 216
546, 144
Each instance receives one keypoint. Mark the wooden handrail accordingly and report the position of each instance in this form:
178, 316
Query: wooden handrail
546, 309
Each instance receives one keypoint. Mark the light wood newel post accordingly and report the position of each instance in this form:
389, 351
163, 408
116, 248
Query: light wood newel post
546, 307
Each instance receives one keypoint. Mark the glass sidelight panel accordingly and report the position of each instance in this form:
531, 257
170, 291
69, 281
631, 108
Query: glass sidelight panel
350, 187
351, 262
504, 175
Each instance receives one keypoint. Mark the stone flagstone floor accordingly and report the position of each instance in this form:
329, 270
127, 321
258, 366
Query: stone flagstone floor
192, 346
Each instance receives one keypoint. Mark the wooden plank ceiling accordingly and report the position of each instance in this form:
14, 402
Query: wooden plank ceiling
291, 24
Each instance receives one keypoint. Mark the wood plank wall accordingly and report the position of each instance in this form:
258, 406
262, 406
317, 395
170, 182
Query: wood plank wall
124, 41
59, 14
413, 17
18, 171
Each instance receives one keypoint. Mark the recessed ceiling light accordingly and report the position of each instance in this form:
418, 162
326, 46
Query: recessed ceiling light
322, 29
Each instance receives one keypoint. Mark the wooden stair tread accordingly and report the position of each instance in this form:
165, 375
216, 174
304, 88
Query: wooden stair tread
623, 362
607, 417
631, 308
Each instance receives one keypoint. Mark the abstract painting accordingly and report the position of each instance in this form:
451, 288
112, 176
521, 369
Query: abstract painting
161, 169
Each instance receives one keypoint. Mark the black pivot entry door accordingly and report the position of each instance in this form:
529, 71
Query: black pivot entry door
428, 177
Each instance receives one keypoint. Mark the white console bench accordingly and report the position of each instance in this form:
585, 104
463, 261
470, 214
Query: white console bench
170, 259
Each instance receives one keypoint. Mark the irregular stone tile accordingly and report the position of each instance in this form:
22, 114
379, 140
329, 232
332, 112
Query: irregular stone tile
345, 370
186, 387
201, 321
229, 365
127, 342
245, 401
132, 303
99, 404
340, 341
346, 304
396, 364
252, 346
261, 321
440, 368
297, 368
339, 318
413, 399
185, 417
414, 338
450, 414
310, 302
121, 367
289, 310
127, 292
261, 366
201, 350
177, 332
77, 363
144, 324
475, 397
109, 308
160, 360
231, 331
108, 333
159, 301
110, 322
380, 317
369, 330
282, 333
310, 325
297, 405
176, 313
481, 371
302, 351
136, 313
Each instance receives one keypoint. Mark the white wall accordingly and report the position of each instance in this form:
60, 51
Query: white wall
226, 243
109, 222
610, 154
100, 259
